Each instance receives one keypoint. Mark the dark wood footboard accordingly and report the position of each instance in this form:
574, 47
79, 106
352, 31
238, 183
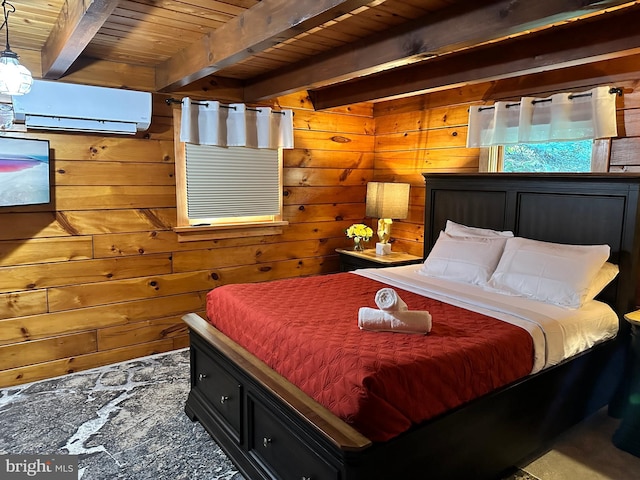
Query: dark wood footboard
263, 422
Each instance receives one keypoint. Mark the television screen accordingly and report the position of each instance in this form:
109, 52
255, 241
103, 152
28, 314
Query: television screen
24, 171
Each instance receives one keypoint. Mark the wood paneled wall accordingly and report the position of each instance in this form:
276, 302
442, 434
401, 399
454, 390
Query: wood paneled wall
100, 277
428, 133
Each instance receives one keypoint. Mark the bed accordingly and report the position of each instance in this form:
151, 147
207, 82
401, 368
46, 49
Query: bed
272, 429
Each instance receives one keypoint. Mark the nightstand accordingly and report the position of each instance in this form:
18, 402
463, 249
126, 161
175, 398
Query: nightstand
351, 259
627, 437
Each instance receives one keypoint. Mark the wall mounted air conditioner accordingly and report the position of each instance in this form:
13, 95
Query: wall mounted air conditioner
83, 108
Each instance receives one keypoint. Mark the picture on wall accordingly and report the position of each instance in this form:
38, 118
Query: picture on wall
24, 172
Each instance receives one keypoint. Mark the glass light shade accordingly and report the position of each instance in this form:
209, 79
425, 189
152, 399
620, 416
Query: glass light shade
15, 79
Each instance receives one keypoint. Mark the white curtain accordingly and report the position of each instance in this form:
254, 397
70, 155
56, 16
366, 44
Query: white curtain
564, 116
202, 123
236, 125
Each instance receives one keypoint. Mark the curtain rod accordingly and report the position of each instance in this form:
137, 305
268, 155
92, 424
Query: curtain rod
612, 90
171, 100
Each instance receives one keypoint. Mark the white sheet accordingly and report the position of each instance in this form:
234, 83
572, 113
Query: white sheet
557, 332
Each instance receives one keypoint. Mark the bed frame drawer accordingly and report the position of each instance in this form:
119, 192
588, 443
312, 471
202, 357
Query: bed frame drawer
221, 390
278, 449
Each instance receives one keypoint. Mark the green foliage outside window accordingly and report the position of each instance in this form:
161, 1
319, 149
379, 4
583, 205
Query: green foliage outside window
548, 157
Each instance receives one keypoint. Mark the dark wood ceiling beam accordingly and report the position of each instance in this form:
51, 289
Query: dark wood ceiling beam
77, 24
266, 24
583, 42
458, 27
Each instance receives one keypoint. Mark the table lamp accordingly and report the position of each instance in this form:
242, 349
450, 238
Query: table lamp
386, 201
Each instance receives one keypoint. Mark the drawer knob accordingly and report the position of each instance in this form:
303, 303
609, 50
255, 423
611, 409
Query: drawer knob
266, 441
224, 399
202, 376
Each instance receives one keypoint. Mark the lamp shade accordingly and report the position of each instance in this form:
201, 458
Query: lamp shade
387, 200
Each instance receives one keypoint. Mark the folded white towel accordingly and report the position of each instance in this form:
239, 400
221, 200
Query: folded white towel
388, 300
414, 321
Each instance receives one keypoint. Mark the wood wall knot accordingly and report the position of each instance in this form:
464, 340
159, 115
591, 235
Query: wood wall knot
345, 174
340, 139
215, 276
265, 269
66, 224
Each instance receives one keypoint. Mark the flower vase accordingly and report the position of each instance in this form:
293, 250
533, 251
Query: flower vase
358, 244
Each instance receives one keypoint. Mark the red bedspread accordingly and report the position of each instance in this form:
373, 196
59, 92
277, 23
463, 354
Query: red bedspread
380, 383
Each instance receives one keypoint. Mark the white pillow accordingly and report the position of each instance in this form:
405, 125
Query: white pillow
458, 230
604, 277
549, 272
464, 259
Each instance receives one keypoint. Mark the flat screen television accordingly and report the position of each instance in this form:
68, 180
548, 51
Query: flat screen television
24, 172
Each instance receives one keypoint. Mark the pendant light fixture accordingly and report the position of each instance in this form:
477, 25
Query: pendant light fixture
15, 79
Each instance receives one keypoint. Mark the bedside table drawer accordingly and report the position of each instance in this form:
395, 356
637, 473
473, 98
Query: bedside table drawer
348, 263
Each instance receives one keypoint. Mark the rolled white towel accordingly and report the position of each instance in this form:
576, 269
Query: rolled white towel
408, 321
388, 300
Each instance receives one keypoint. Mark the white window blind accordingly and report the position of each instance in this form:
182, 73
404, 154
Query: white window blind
231, 182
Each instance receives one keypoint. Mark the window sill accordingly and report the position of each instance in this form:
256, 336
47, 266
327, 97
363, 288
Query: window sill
197, 233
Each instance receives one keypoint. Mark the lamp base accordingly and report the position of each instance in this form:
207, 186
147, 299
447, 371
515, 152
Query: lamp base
384, 229
383, 248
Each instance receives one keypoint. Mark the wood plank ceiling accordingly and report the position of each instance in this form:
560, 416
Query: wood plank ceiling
342, 51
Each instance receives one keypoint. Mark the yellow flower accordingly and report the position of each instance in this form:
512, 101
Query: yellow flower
359, 230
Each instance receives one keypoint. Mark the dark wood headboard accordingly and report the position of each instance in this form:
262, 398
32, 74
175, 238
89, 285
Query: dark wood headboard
584, 209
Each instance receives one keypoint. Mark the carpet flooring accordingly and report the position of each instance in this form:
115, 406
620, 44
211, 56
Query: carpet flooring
127, 421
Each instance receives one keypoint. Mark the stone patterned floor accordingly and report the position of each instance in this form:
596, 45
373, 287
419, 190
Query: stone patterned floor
124, 421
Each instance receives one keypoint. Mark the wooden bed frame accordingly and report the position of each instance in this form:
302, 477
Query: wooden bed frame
272, 430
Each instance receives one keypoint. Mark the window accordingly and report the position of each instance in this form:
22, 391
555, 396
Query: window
560, 157
227, 192
548, 157
566, 132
